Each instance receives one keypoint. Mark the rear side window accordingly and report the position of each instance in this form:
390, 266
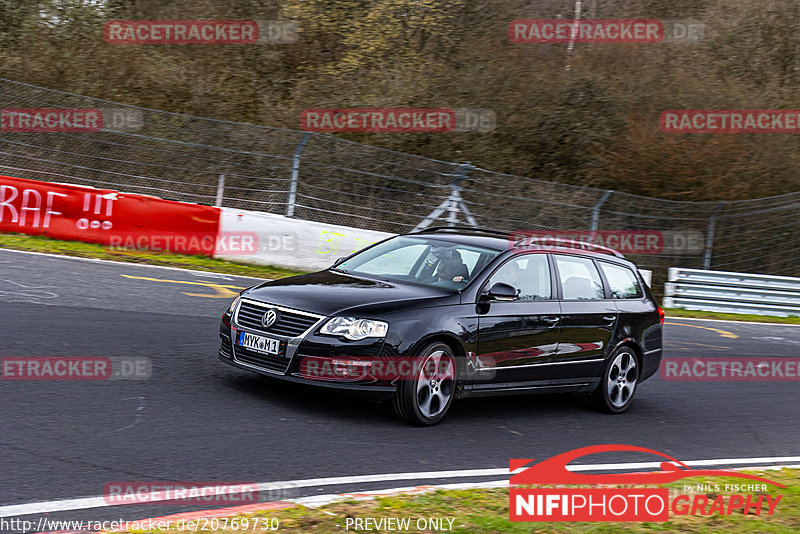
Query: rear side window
622, 281
579, 278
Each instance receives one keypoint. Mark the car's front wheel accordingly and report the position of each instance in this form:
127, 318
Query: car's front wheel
615, 392
424, 397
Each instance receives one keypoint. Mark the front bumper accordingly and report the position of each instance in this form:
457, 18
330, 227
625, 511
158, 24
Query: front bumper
361, 389
312, 346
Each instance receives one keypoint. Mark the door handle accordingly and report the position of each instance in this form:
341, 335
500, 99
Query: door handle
610, 318
551, 320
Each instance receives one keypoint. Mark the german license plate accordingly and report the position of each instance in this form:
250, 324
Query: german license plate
265, 345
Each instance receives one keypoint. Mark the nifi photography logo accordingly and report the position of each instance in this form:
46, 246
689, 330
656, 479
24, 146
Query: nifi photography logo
636, 496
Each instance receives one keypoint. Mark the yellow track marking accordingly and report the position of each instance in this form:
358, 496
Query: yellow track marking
722, 333
221, 291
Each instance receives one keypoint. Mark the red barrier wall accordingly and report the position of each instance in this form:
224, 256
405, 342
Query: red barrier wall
80, 213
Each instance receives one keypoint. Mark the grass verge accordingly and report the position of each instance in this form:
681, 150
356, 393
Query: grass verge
680, 312
486, 511
164, 259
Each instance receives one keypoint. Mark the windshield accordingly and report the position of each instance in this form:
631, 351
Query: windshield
421, 260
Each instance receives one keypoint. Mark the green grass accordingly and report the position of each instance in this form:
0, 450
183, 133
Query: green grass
486, 511
679, 312
91, 250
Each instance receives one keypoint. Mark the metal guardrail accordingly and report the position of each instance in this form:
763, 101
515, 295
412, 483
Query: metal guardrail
722, 291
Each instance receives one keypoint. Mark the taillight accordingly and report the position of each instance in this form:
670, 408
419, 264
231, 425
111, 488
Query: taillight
661, 314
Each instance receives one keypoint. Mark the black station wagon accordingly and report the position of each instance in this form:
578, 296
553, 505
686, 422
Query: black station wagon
424, 318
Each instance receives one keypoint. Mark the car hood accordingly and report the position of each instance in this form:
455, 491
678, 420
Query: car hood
329, 292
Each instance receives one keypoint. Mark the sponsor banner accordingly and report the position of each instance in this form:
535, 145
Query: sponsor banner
176, 492
181, 32
585, 31
75, 368
730, 121
81, 213
748, 369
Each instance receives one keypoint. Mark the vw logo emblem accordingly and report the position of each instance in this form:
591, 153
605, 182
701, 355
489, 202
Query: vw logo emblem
269, 318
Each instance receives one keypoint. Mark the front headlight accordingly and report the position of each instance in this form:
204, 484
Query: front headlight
233, 304
354, 329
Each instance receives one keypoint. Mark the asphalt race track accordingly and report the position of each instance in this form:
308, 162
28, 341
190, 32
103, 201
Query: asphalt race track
197, 419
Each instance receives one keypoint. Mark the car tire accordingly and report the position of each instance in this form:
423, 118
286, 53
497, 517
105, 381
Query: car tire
424, 398
619, 381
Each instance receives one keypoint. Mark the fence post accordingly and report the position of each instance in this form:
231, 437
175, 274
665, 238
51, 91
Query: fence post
596, 209
220, 190
295, 173
712, 226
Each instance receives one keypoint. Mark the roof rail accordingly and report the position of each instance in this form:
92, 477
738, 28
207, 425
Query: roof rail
472, 228
569, 243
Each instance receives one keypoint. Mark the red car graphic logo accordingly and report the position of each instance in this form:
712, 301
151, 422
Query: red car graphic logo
554, 470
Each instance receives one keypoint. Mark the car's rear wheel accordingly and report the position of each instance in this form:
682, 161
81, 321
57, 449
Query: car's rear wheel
615, 392
425, 397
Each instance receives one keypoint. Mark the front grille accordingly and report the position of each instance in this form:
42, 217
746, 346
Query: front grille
289, 324
269, 362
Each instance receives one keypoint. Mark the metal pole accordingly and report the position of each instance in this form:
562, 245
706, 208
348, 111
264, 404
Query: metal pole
295, 173
220, 190
455, 195
712, 226
452, 204
574, 33
596, 209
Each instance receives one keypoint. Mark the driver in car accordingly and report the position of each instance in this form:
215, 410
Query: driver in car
450, 268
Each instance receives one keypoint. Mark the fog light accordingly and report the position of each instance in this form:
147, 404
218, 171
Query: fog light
351, 369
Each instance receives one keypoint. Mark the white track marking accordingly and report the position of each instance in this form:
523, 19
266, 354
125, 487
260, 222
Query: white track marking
678, 318
15, 510
315, 501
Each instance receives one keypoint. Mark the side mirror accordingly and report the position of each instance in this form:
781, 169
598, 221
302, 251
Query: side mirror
502, 292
